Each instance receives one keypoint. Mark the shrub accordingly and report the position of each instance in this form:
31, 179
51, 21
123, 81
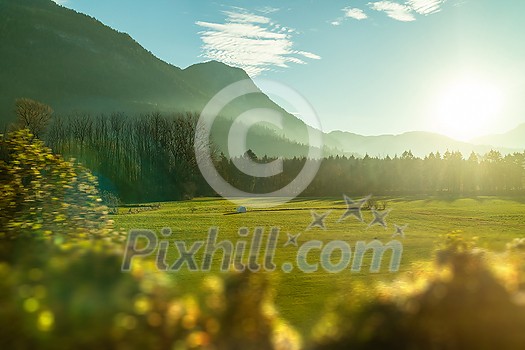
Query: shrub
42, 194
111, 200
462, 302
72, 294
75, 296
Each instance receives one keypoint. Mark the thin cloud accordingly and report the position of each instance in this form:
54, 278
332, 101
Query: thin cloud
350, 12
237, 17
355, 13
405, 12
61, 2
394, 10
251, 42
426, 7
267, 10
310, 55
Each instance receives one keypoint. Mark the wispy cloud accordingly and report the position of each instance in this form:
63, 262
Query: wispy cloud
426, 7
251, 42
350, 12
236, 17
355, 13
394, 10
61, 2
405, 12
267, 10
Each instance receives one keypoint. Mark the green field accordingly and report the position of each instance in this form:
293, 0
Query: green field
301, 297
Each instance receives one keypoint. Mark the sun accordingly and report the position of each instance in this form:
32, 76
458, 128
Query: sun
467, 109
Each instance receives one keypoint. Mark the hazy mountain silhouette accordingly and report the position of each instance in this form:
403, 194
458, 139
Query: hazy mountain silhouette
514, 138
419, 142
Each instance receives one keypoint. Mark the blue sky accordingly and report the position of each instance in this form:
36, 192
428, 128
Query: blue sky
456, 67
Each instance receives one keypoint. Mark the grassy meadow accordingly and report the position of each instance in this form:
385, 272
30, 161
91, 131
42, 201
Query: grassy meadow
301, 297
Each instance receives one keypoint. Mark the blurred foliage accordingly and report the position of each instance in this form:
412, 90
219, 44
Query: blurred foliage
75, 296
68, 293
468, 299
42, 194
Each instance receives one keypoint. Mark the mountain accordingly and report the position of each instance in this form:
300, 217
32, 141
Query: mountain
73, 62
514, 138
419, 142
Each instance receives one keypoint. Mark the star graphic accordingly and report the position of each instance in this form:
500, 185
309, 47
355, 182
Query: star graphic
379, 218
292, 239
400, 231
354, 208
318, 220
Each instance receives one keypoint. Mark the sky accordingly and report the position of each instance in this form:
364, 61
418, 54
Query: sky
455, 67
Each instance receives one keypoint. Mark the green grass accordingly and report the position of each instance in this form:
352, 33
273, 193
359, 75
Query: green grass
300, 297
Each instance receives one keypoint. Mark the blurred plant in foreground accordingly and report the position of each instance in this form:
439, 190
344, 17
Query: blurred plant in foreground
74, 296
70, 293
41, 194
462, 301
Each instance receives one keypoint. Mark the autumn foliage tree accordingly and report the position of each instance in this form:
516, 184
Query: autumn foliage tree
41, 193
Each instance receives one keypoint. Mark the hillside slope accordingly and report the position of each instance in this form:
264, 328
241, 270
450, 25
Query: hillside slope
72, 61
75, 63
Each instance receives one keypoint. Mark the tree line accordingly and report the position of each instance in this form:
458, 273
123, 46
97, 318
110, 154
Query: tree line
448, 173
152, 158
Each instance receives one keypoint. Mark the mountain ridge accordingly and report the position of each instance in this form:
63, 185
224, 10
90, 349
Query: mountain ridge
421, 143
513, 137
74, 62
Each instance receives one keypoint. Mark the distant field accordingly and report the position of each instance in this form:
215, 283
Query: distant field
300, 296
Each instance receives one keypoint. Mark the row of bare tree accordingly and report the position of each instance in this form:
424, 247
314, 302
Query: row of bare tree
142, 158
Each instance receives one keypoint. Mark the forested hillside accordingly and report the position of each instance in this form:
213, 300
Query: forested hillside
76, 64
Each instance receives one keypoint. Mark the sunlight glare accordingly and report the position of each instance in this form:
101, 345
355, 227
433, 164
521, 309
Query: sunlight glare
468, 109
